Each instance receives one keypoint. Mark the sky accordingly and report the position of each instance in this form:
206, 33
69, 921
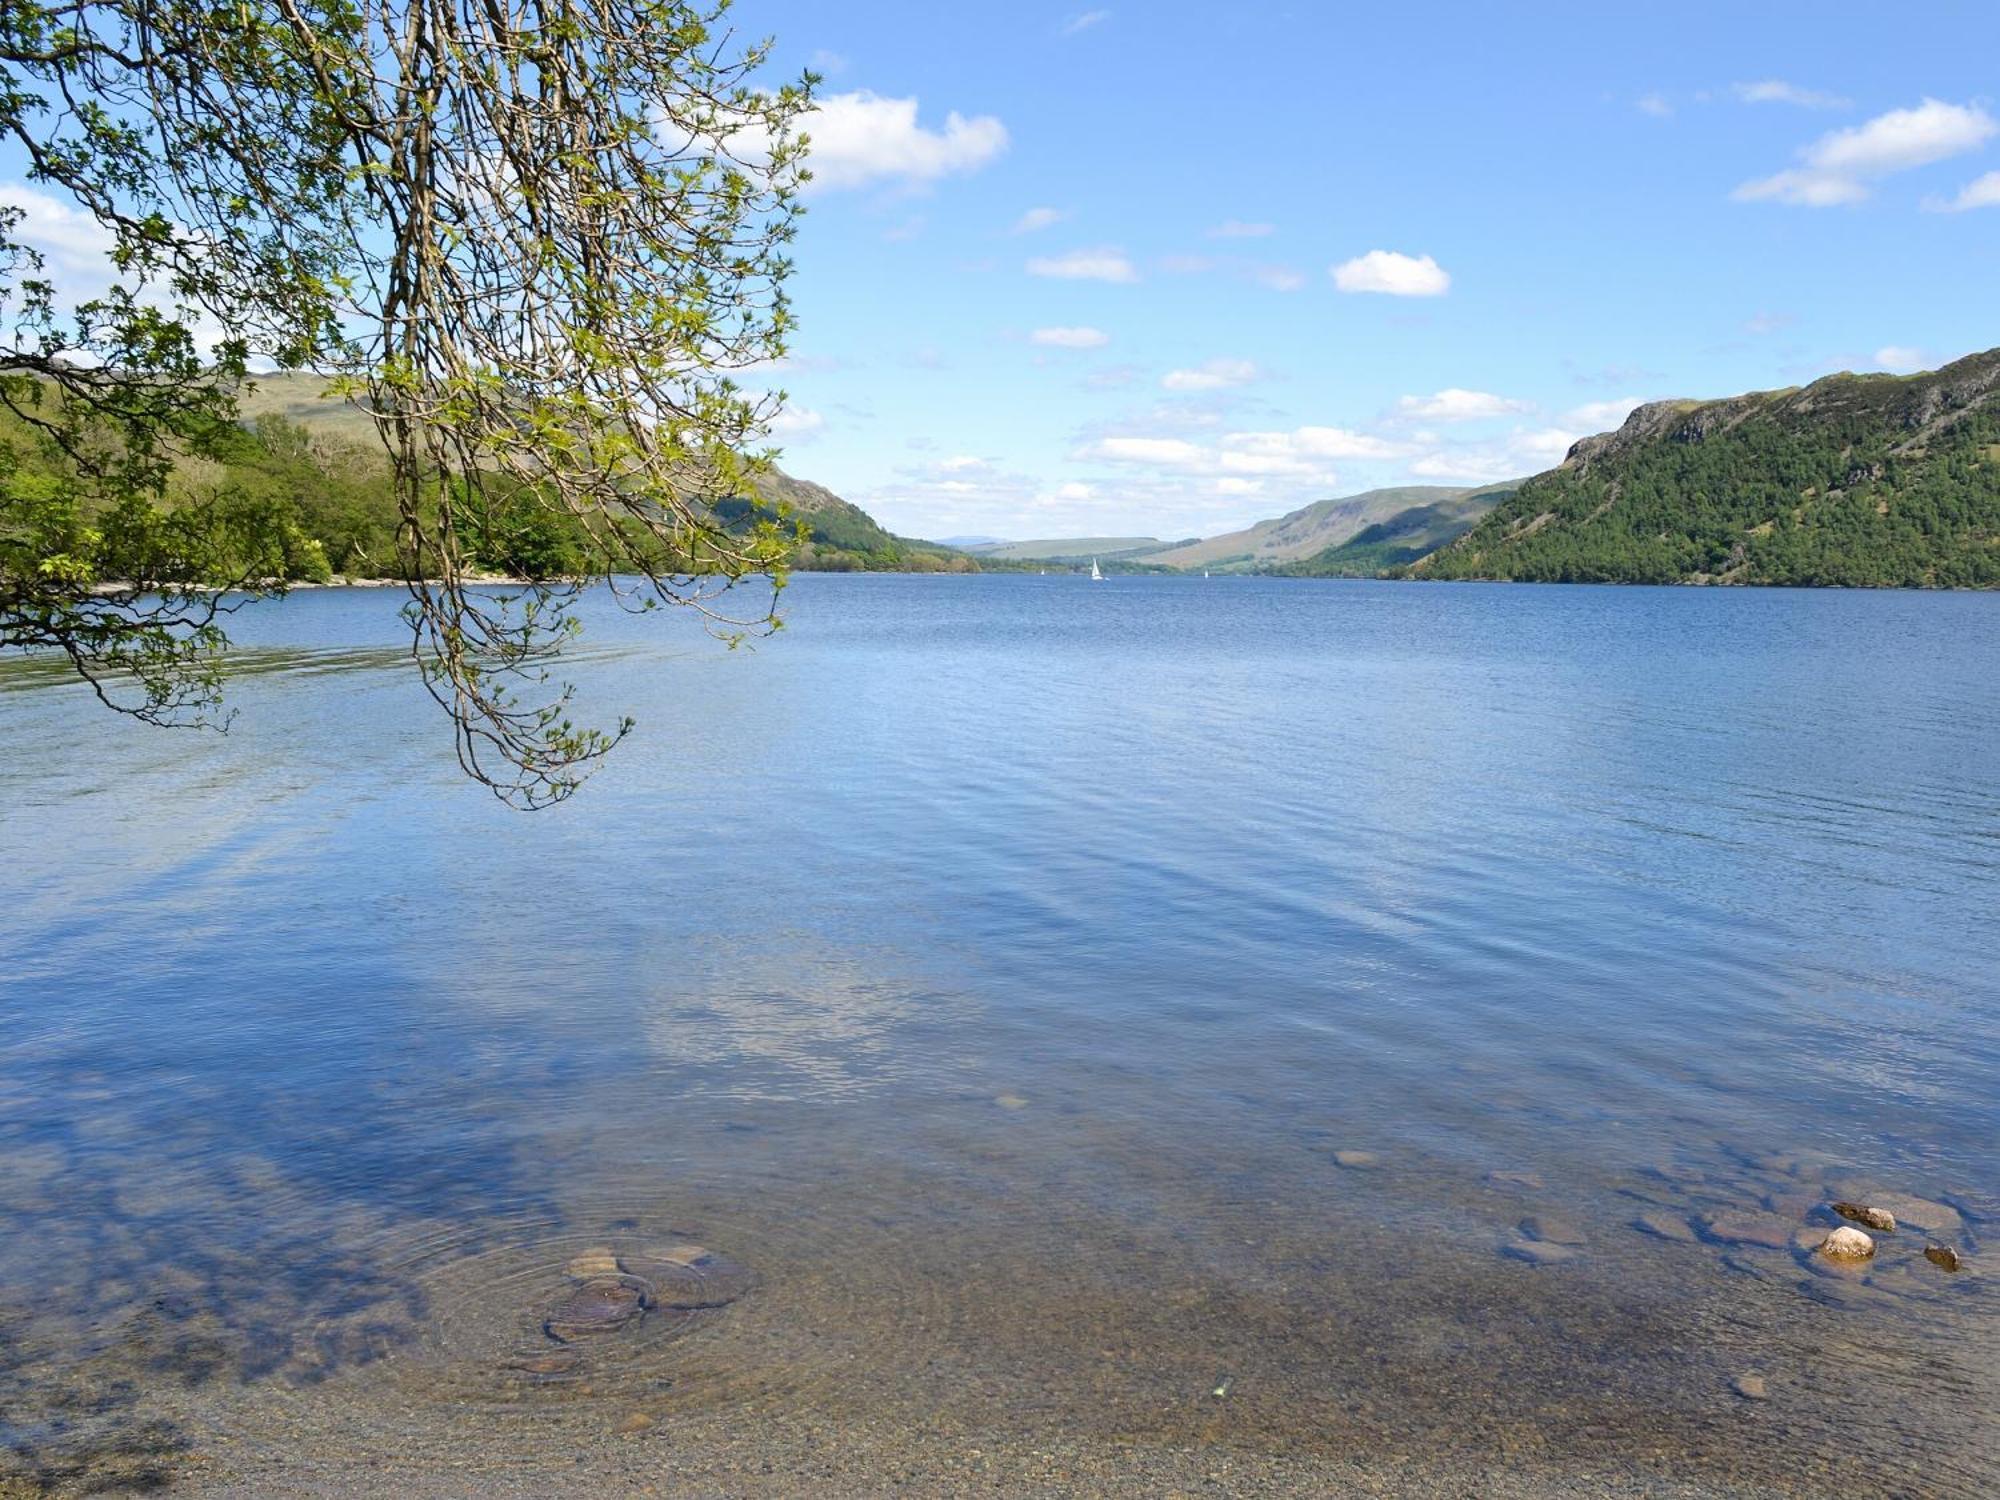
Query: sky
1166, 269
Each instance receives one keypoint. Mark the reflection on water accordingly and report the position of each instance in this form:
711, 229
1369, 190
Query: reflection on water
997, 1015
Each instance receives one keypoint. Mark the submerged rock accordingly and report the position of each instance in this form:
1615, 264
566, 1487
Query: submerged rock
1530, 1180
1765, 1230
1540, 1252
1751, 1387
1861, 1213
598, 1307
1551, 1230
1938, 1218
1847, 1243
681, 1255
1942, 1256
597, 1261
634, 1423
1359, 1161
1665, 1226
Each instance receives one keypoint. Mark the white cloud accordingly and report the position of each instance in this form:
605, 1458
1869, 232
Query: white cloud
1173, 452
1237, 229
797, 424
1084, 22
1900, 358
1655, 105
1070, 338
1601, 416
962, 463
861, 138
1301, 454
1841, 164
1455, 405
1393, 275
1777, 91
1981, 192
1074, 491
827, 61
1769, 322
1213, 375
1525, 451
76, 261
1280, 278
1186, 265
1100, 264
1546, 446
72, 242
1037, 218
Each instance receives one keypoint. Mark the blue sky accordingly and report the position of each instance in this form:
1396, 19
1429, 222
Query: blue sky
1073, 270
1164, 269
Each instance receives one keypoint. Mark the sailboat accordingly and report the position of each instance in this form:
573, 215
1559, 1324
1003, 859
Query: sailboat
1095, 576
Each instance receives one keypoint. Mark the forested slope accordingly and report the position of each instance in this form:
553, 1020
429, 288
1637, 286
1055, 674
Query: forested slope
1860, 480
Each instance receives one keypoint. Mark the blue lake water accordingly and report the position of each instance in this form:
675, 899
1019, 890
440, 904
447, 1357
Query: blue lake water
1043, 1005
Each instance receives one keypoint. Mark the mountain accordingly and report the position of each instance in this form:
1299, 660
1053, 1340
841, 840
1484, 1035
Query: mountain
1402, 539
1858, 480
1303, 533
1070, 549
842, 536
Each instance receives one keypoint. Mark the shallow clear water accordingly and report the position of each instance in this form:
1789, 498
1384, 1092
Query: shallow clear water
988, 973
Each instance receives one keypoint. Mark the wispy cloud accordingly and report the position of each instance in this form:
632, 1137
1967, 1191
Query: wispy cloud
797, 424
1392, 274
1212, 375
1601, 416
1841, 165
1901, 359
1777, 91
1070, 338
1456, 405
1102, 263
1302, 453
1655, 105
1037, 218
1981, 192
1083, 22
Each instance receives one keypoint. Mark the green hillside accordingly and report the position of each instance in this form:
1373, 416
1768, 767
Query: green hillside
1303, 533
1856, 480
1402, 538
318, 460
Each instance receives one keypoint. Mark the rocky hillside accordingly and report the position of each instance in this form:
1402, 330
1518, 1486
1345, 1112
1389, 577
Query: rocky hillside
1402, 538
1862, 480
1304, 532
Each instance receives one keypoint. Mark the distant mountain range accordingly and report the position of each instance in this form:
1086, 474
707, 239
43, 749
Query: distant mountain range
1874, 480
1349, 535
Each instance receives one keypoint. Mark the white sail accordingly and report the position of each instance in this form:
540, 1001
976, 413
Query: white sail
1095, 575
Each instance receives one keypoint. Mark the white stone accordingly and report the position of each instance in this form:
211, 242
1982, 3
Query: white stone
1847, 1243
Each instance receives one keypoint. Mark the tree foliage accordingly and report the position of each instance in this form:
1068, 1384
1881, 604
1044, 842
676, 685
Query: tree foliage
534, 238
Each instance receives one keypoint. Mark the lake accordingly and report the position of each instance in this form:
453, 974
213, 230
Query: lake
1008, 1033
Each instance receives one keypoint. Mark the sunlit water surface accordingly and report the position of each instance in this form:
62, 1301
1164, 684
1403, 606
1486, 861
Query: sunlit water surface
952, 1016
